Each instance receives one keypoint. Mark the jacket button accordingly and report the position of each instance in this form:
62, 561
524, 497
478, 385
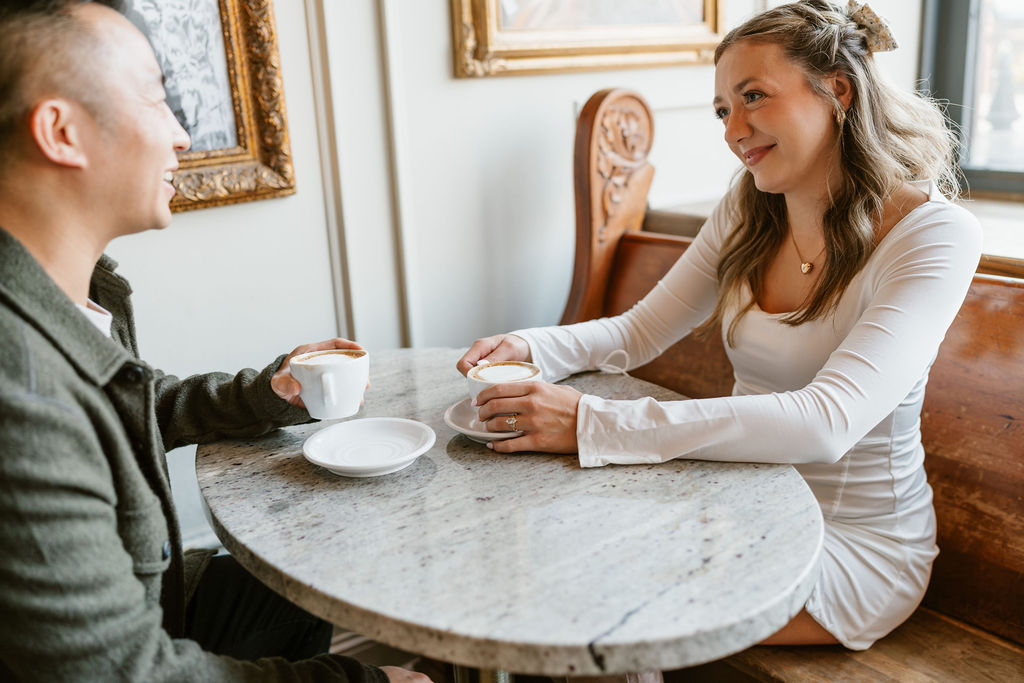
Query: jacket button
132, 373
167, 550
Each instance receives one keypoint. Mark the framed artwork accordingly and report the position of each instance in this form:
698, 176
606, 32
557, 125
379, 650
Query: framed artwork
223, 81
496, 37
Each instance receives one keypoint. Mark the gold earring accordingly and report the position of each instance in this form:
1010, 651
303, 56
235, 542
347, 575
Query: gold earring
840, 117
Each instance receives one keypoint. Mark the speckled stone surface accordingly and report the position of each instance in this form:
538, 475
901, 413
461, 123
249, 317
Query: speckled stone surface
526, 563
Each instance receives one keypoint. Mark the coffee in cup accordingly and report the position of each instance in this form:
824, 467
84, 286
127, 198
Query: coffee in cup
486, 375
332, 381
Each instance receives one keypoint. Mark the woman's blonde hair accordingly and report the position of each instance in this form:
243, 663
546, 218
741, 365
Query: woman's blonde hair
886, 137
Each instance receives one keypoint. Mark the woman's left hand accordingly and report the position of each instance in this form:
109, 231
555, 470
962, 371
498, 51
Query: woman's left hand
545, 413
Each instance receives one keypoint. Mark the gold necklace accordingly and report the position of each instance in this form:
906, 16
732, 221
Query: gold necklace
805, 266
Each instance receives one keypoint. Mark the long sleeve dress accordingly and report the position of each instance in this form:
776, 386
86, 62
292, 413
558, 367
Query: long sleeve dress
839, 397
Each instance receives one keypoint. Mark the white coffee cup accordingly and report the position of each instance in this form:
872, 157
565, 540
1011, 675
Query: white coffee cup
486, 375
333, 381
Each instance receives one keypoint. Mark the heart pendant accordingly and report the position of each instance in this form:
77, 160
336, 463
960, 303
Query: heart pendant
806, 268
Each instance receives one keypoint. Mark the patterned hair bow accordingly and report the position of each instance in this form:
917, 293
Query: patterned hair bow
879, 35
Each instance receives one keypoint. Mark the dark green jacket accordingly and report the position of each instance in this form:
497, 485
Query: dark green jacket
93, 581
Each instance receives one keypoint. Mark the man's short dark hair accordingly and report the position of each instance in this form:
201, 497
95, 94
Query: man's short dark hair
42, 48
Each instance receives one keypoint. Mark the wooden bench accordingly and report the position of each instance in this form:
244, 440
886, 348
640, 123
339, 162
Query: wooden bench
971, 624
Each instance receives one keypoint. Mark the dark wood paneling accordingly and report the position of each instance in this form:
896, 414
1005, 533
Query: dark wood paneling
694, 367
973, 432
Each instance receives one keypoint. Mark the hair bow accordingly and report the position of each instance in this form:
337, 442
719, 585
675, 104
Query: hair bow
879, 35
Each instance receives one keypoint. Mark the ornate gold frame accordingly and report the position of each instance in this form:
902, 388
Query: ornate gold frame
260, 166
482, 49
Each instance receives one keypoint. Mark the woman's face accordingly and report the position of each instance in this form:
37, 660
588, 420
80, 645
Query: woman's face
782, 130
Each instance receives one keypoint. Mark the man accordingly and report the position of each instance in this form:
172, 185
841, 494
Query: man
93, 581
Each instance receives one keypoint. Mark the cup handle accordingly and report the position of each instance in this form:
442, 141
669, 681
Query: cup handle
327, 384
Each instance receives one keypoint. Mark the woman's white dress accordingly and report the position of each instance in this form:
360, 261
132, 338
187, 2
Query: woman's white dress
840, 398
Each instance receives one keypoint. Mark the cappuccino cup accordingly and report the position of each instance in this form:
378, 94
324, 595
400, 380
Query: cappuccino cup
486, 375
332, 381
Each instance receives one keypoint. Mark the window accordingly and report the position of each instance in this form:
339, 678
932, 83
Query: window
973, 56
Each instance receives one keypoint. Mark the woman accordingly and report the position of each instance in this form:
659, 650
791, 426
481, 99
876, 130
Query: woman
834, 266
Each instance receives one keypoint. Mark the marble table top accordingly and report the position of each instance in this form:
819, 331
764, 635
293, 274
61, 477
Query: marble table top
525, 563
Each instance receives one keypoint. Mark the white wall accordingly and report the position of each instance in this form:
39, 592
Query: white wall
480, 200
235, 286
456, 199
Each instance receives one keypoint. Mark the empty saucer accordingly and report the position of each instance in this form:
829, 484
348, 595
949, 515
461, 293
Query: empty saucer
369, 447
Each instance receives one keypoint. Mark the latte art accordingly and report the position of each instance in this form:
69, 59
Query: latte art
507, 371
328, 357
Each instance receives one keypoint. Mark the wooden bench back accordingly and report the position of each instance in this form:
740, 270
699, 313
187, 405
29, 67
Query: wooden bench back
972, 427
973, 419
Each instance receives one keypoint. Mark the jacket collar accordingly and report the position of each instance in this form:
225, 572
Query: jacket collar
28, 290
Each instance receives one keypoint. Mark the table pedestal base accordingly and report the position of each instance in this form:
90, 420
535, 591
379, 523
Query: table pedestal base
466, 674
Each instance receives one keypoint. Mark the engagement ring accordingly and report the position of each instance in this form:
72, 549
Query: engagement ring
511, 422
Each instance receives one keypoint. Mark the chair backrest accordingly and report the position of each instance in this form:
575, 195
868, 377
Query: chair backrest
611, 178
616, 263
973, 419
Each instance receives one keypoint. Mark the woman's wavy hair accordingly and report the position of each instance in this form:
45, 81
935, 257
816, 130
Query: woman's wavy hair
886, 137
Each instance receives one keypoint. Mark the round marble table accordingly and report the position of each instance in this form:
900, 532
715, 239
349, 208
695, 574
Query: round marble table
523, 563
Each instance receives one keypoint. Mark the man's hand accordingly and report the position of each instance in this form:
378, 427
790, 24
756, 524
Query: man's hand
286, 386
397, 675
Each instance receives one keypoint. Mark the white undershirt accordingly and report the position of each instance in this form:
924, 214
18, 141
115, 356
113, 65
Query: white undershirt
97, 315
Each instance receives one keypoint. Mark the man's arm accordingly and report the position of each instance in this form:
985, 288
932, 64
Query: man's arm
216, 405
207, 407
77, 604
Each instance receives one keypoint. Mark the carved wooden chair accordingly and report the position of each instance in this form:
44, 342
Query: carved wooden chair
616, 261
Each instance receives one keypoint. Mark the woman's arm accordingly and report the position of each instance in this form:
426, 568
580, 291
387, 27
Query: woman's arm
681, 300
917, 282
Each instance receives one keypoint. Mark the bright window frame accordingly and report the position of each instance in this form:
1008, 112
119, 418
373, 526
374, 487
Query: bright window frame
947, 47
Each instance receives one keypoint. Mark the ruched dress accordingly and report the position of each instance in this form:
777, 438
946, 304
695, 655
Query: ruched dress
838, 397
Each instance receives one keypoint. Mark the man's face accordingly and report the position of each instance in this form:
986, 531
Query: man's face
132, 144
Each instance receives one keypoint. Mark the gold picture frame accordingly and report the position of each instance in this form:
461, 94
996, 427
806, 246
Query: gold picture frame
483, 46
254, 160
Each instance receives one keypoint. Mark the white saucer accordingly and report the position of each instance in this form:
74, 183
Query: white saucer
369, 447
462, 417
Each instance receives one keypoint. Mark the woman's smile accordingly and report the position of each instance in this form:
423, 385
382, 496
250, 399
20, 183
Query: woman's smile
754, 155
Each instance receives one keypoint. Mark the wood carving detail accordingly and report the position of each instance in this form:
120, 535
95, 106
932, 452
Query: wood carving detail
473, 64
265, 65
261, 166
622, 149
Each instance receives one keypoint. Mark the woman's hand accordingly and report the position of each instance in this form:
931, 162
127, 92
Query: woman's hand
286, 386
493, 349
545, 413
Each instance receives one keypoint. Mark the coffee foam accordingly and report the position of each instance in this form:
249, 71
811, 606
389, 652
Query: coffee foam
508, 371
328, 357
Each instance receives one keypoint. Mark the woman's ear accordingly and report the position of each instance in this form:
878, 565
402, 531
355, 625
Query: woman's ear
842, 88
54, 128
